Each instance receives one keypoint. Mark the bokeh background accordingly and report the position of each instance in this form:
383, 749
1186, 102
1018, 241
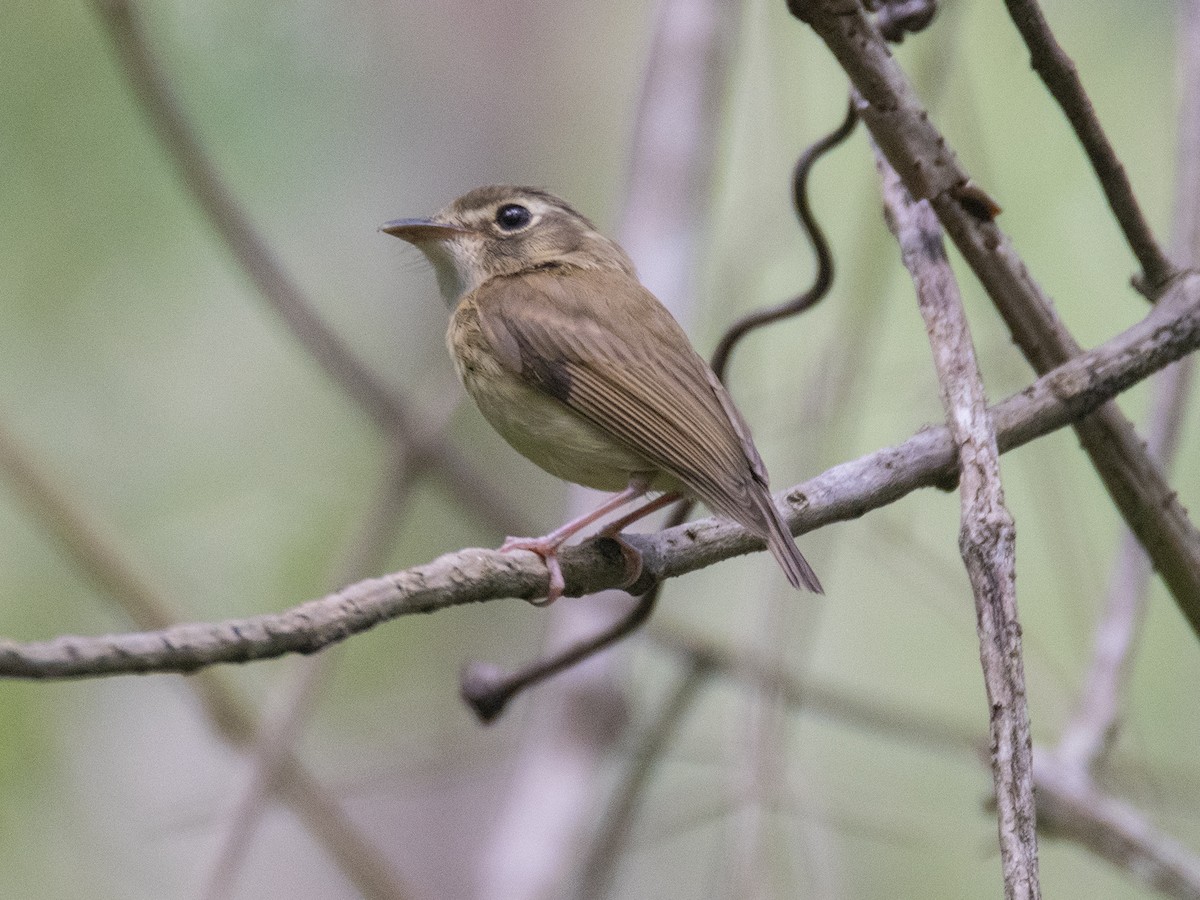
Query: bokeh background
142, 372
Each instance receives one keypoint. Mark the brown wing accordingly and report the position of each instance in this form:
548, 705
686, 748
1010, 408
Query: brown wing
604, 346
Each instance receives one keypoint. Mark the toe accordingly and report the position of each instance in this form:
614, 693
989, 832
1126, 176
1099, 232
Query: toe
557, 584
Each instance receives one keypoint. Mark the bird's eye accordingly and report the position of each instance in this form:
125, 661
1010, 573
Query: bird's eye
513, 216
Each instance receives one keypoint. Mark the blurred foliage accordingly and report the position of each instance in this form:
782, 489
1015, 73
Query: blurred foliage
137, 365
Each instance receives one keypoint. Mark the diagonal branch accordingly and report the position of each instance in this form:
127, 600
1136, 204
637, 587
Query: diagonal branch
826, 701
987, 539
929, 169
106, 565
1076, 809
1089, 735
847, 491
428, 451
1058, 72
277, 738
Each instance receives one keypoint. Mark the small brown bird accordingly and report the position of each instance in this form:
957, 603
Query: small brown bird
585, 372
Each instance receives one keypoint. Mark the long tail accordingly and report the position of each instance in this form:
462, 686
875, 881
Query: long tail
783, 547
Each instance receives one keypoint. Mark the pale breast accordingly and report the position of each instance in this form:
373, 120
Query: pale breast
539, 427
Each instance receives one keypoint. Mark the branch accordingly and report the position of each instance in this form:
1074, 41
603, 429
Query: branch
427, 449
1093, 727
987, 539
90, 546
927, 166
847, 491
1067, 809
275, 744
829, 702
1075, 809
1057, 71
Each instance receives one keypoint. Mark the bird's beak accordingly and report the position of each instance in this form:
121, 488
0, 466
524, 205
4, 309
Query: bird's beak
418, 231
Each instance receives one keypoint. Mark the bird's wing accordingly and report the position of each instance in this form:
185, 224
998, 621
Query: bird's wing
605, 347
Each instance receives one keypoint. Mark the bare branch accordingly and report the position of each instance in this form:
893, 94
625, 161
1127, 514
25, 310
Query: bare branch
1057, 71
428, 450
108, 567
1089, 735
847, 491
1075, 809
929, 169
825, 701
276, 739
987, 538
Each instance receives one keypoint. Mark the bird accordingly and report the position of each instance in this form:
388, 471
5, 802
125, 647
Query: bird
584, 371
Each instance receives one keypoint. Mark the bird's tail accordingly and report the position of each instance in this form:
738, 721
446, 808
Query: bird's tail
783, 547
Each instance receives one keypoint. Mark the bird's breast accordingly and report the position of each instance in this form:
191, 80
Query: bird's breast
541, 428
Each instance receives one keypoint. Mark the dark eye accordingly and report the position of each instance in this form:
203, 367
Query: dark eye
512, 216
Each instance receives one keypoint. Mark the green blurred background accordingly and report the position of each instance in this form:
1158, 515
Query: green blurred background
138, 365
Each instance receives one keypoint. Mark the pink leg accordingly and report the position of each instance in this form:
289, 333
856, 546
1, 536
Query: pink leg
547, 546
614, 528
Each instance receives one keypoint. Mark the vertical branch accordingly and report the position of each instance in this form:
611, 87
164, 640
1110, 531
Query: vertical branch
927, 165
987, 537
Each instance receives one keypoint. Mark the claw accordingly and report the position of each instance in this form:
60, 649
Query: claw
547, 547
548, 551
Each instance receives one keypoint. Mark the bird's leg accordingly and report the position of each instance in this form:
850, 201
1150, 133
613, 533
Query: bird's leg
547, 546
613, 529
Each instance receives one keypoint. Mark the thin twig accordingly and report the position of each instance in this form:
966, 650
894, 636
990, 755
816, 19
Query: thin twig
108, 567
822, 278
1093, 727
429, 452
1058, 73
1077, 388
606, 850
929, 169
987, 539
488, 690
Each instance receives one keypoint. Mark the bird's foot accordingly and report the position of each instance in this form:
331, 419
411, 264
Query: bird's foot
547, 549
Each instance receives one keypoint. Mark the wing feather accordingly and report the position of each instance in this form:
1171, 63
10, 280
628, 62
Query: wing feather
655, 394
